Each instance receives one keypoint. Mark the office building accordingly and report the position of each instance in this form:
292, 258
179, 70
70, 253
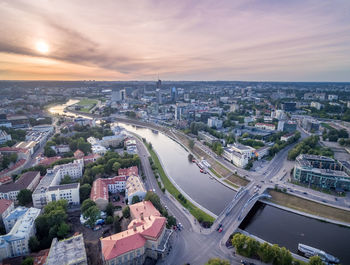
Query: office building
208, 137
4, 137
134, 187
321, 172
310, 124
13, 216
287, 126
214, 122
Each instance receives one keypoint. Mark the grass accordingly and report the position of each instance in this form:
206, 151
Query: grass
309, 207
231, 184
87, 104
215, 173
237, 180
327, 126
195, 211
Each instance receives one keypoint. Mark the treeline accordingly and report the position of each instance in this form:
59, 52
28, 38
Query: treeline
43, 168
309, 146
279, 145
333, 135
249, 247
16, 135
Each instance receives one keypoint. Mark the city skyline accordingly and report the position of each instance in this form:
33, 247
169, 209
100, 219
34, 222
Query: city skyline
240, 40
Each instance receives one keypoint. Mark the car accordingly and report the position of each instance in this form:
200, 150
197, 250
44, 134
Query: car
244, 262
220, 230
336, 198
97, 227
305, 192
324, 201
219, 226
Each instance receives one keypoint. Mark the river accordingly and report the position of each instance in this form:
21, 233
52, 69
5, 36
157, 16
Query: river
207, 192
287, 229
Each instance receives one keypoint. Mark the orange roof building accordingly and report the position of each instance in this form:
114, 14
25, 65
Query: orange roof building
144, 208
146, 236
130, 171
79, 154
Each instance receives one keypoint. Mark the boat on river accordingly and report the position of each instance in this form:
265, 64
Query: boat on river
311, 251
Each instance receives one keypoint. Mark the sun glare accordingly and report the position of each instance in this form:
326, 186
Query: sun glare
42, 47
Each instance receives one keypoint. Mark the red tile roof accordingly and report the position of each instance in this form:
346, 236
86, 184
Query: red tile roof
128, 171
133, 238
144, 207
78, 154
100, 187
5, 179
49, 160
4, 204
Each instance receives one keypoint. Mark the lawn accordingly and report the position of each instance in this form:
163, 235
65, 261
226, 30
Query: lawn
309, 207
194, 210
87, 104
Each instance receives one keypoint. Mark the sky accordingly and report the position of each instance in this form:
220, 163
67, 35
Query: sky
248, 40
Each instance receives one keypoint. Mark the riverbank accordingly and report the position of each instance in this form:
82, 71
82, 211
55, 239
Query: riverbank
309, 207
199, 214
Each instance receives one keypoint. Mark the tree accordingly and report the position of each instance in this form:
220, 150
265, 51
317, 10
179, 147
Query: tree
63, 230
49, 152
33, 244
171, 221
110, 209
116, 166
28, 261
191, 144
190, 157
217, 261
116, 224
24, 197
126, 212
315, 260
135, 199
84, 191
252, 246
86, 205
238, 241
97, 170
265, 252
109, 220
66, 180
92, 214
154, 199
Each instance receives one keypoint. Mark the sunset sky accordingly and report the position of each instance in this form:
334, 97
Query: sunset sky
271, 40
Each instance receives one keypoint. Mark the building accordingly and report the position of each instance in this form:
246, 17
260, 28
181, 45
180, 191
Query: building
101, 188
310, 124
332, 97
146, 236
6, 206
28, 180
15, 243
78, 154
214, 122
234, 107
4, 137
287, 126
69, 251
11, 219
314, 96
31, 146
91, 158
49, 188
262, 151
5, 180
130, 171
134, 187
265, 126
173, 94
68, 192
131, 147
208, 137
286, 137
278, 114
118, 95
99, 150
321, 172
236, 158
61, 149
288, 106
18, 121
316, 105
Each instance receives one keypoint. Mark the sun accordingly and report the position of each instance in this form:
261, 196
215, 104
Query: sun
42, 47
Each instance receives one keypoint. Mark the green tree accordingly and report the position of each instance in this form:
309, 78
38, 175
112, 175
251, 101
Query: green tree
315, 260
24, 197
92, 214
97, 170
238, 241
49, 152
251, 247
33, 244
135, 199
116, 167
86, 205
191, 144
171, 221
126, 212
217, 261
28, 261
154, 199
63, 230
109, 165
110, 209
265, 252
109, 220
84, 191
66, 180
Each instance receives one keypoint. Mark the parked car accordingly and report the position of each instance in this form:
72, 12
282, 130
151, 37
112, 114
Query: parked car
97, 227
220, 230
219, 226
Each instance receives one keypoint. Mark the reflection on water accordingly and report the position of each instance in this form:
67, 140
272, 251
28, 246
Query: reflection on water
287, 229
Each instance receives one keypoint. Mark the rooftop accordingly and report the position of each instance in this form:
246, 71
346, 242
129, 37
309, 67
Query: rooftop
64, 187
4, 204
100, 187
67, 251
22, 183
145, 207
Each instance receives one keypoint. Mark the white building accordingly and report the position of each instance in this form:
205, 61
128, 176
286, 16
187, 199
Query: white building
49, 188
68, 192
134, 187
4, 137
332, 97
238, 159
11, 219
265, 126
15, 243
316, 105
234, 107
278, 114
99, 150
214, 122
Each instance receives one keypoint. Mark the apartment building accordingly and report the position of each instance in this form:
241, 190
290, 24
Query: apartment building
15, 243
13, 216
